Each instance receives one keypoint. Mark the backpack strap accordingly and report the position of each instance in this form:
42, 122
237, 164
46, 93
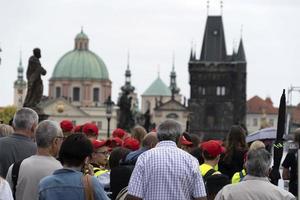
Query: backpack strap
241, 175
209, 173
15, 175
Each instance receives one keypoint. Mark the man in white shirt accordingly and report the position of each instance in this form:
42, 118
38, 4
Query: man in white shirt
49, 138
255, 184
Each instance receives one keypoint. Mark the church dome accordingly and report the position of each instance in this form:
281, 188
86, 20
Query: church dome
80, 63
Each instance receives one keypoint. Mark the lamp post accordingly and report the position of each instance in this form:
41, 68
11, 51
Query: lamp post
109, 104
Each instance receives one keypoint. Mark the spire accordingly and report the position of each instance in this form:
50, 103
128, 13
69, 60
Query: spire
241, 56
207, 7
128, 87
191, 54
213, 46
20, 68
173, 85
221, 7
241, 52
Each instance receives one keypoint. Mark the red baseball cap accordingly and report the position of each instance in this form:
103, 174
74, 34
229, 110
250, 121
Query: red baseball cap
185, 140
66, 125
78, 129
131, 143
213, 147
90, 128
118, 133
99, 143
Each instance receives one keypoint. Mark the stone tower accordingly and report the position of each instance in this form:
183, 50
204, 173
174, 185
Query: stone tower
218, 84
20, 87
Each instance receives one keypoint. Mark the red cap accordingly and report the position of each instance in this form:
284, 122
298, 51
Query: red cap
131, 143
118, 133
66, 125
90, 128
185, 140
213, 147
99, 143
116, 142
78, 129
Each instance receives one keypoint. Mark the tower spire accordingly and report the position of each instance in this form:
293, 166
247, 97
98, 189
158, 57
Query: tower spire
173, 85
221, 7
127, 87
207, 7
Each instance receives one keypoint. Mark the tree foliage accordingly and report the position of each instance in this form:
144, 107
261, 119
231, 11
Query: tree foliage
7, 113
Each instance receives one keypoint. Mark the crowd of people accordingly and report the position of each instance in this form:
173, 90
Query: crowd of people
61, 161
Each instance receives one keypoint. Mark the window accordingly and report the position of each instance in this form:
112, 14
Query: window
255, 122
172, 116
76, 94
221, 91
271, 122
96, 95
58, 92
201, 90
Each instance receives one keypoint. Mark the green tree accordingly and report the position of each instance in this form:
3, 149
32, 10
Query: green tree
7, 113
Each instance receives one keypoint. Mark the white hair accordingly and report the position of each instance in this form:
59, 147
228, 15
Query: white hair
46, 132
258, 162
169, 130
25, 118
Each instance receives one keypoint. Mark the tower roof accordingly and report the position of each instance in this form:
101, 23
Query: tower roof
241, 52
157, 88
213, 46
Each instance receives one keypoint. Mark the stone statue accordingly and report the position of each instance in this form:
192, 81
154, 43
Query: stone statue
34, 81
126, 121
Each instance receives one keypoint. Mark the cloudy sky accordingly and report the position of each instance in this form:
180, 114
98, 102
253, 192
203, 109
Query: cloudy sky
152, 30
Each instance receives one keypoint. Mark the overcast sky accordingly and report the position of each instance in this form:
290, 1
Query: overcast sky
152, 31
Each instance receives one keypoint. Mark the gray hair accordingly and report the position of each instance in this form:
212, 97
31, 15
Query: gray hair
25, 118
5, 130
258, 162
46, 132
169, 130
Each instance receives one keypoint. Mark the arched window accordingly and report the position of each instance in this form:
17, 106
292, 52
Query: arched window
172, 116
96, 96
76, 94
57, 92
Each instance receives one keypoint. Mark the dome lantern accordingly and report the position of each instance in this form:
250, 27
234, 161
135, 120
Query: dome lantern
81, 41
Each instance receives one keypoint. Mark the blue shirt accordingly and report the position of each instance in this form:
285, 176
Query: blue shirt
132, 157
66, 184
166, 172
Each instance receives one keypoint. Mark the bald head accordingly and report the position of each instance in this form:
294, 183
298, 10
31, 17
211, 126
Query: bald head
150, 140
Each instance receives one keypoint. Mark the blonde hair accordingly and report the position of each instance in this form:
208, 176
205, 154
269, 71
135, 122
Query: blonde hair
5, 130
138, 133
257, 145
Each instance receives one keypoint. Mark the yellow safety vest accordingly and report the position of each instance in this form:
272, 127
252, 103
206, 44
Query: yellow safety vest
98, 171
238, 176
204, 168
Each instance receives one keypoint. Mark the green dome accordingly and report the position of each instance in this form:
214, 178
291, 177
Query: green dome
80, 64
158, 88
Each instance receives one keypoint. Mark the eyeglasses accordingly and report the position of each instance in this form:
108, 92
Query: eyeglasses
61, 137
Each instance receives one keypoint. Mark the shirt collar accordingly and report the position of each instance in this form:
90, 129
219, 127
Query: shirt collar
249, 177
20, 136
166, 143
65, 170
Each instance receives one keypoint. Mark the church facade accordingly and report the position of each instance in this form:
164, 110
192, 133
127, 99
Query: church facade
217, 84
